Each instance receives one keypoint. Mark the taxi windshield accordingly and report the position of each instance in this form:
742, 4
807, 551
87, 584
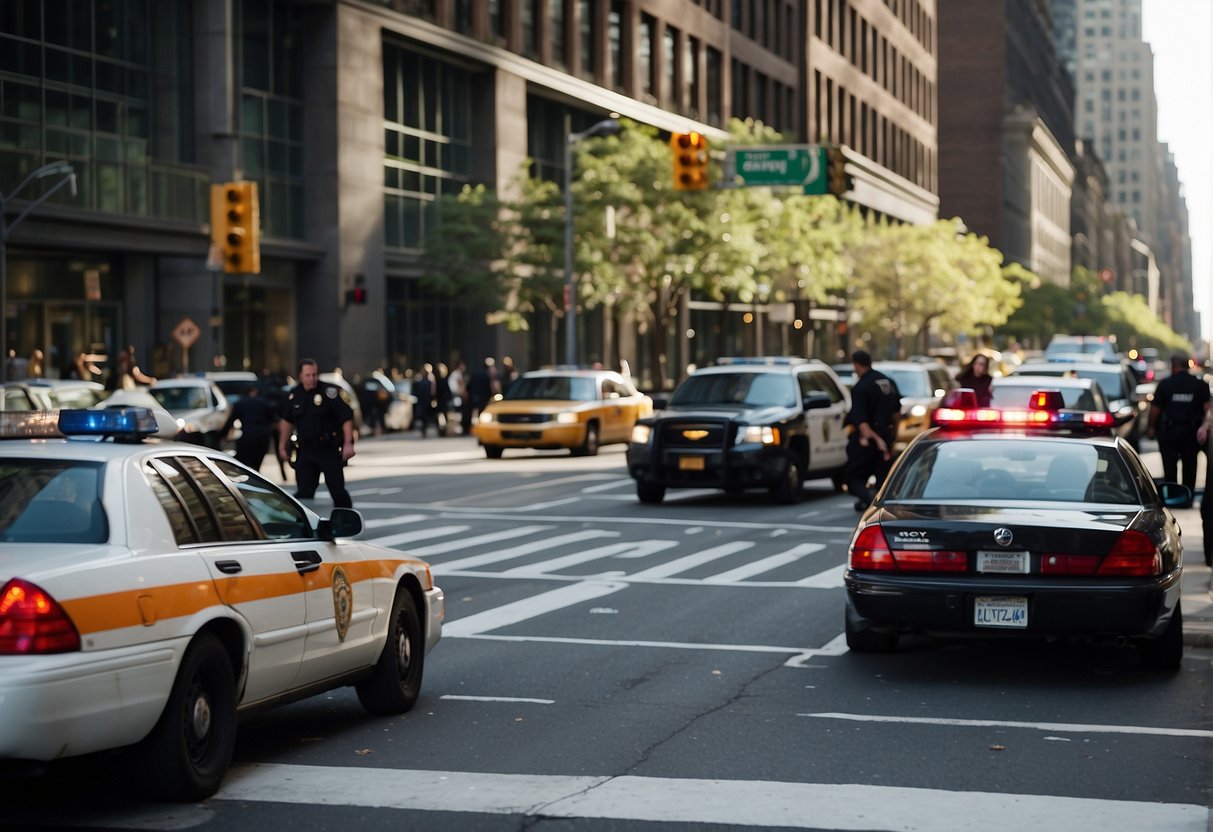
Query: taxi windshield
1013, 470
51, 501
554, 388
732, 389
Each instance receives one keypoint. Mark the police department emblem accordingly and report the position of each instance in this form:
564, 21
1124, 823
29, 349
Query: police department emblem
331, 392
343, 602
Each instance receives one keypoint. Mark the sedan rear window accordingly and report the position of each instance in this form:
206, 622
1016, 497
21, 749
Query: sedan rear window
51, 501
1014, 470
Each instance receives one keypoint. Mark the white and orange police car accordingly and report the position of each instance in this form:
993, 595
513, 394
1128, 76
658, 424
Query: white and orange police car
150, 592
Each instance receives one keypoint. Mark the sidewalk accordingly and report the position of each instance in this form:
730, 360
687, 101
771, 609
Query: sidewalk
1198, 578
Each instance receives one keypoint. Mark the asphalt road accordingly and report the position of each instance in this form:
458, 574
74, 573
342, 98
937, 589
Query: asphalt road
613, 666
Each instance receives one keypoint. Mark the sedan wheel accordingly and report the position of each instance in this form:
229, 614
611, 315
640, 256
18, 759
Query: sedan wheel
1165, 652
396, 682
866, 640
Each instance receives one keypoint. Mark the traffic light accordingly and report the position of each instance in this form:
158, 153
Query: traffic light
357, 295
236, 226
690, 156
838, 181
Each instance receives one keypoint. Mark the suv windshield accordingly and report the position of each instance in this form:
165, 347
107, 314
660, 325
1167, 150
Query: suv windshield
732, 389
51, 501
554, 388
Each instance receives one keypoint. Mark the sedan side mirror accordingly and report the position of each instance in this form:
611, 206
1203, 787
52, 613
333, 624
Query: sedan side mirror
343, 522
1175, 495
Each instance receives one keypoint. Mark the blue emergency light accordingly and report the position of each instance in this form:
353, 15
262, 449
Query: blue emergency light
121, 423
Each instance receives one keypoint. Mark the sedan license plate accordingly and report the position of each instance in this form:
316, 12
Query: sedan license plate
1012, 563
690, 463
1009, 612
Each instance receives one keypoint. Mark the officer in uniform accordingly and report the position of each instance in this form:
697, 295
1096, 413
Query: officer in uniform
871, 428
1178, 417
325, 425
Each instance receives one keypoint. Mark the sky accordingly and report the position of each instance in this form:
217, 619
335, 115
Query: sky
1181, 35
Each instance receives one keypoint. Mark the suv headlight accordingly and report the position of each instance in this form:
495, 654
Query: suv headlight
760, 434
641, 434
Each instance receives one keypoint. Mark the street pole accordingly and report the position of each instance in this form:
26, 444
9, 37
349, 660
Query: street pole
50, 169
606, 127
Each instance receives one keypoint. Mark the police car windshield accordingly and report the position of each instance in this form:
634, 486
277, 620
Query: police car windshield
50, 501
554, 388
733, 389
180, 399
1014, 470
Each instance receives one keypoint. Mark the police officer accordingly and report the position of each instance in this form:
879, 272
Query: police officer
1181, 402
871, 428
256, 417
325, 425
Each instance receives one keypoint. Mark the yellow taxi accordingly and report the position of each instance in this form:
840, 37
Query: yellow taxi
558, 408
152, 591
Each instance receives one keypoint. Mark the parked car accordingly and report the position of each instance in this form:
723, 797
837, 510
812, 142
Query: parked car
198, 404
923, 386
1101, 348
399, 412
233, 383
1082, 394
1130, 408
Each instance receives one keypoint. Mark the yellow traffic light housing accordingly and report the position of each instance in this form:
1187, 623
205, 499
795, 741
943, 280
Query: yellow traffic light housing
236, 226
838, 181
690, 157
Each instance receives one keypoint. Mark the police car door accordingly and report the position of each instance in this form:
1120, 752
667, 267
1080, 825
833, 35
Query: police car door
827, 437
253, 576
336, 579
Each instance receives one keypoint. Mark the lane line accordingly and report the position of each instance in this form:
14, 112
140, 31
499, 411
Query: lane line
476, 540
525, 699
419, 533
621, 576
473, 561
608, 486
399, 520
829, 579
795, 652
532, 607
1062, 727
763, 803
576, 559
765, 564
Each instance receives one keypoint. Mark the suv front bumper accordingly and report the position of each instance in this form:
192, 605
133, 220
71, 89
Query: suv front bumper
749, 465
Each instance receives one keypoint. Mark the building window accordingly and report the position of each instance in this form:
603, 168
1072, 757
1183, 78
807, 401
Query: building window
690, 76
496, 19
585, 24
527, 15
427, 138
669, 93
645, 65
615, 42
713, 79
557, 26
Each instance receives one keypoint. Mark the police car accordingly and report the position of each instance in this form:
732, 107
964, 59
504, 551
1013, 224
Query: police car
150, 592
1025, 522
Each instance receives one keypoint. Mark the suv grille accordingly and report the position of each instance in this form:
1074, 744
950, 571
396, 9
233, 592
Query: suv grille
694, 434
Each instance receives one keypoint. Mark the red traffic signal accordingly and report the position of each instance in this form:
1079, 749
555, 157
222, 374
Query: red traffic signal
356, 296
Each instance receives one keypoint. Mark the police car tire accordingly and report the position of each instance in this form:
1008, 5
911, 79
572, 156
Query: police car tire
395, 685
790, 487
1165, 652
178, 762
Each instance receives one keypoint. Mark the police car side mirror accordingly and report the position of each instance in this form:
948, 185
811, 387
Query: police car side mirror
343, 522
815, 401
1175, 495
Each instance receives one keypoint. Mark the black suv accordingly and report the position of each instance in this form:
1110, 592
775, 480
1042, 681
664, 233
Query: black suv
744, 423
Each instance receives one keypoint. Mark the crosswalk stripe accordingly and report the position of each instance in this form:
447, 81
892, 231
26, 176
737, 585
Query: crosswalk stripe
532, 607
687, 562
622, 550
828, 579
477, 540
419, 533
766, 803
765, 564
518, 551
398, 520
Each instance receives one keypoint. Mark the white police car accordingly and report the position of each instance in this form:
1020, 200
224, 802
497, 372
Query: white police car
150, 592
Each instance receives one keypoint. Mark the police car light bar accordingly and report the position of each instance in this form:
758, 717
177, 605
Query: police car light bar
1045, 410
121, 423
30, 424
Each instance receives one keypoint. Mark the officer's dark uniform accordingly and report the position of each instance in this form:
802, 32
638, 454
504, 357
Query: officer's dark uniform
1181, 398
876, 400
317, 417
257, 418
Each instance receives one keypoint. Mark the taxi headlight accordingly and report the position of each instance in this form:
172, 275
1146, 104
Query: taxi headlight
918, 411
761, 434
641, 434
566, 418
486, 418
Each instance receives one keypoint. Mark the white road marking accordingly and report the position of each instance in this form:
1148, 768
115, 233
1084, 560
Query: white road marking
538, 573
533, 607
524, 699
476, 540
398, 520
796, 652
1062, 727
682, 564
765, 564
739, 802
829, 579
576, 559
419, 533
475, 561
608, 486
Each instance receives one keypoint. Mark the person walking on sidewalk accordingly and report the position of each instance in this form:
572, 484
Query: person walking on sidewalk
1179, 420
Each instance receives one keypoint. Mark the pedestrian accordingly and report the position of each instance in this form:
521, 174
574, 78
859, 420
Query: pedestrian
976, 376
425, 390
871, 428
37, 365
16, 367
126, 374
325, 426
457, 381
442, 386
482, 387
1179, 418
257, 417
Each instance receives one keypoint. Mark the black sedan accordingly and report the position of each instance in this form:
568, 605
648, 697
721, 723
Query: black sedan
1033, 522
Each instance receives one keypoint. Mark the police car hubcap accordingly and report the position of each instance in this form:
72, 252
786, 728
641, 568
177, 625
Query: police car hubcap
404, 649
201, 721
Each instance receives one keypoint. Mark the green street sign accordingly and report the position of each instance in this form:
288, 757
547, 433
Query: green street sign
790, 164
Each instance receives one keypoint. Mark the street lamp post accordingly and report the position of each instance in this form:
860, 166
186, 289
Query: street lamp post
68, 173
606, 127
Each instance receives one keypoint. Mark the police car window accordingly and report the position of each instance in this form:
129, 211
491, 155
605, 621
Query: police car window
817, 381
15, 399
51, 501
1014, 470
178, 518
233, 522
187, 491
279, 516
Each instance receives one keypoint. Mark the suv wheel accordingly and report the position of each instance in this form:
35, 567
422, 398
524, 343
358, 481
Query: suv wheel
647, 492
791, 484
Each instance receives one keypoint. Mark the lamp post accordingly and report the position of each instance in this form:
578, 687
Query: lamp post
68, 173
606, 127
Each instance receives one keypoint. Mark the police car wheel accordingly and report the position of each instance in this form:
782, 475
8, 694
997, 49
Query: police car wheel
394, 686
790, 487
186, 755
1165, 652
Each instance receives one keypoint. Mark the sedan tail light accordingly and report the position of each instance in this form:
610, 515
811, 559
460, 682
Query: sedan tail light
870, 550
1133, 554
31, 621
